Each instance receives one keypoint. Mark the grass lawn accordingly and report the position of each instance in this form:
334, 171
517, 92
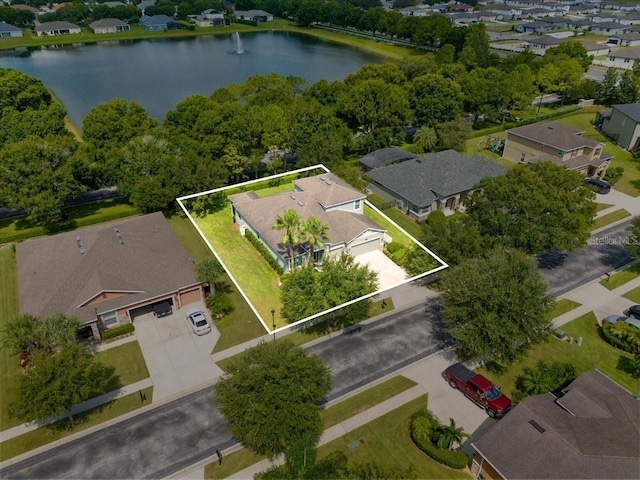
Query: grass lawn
477, 146
394, 232
51, 433
333, 415
609, 218
561, 307
128, 361
405, 221
364, 400
630, 181
9, 371
241, 325
387, 440
594, 353
602, 206
633, 295
621, 277
285, 187
18, 229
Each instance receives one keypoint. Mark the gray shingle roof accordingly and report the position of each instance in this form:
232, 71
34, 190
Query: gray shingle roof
307, 201
6, 27
385, 156
631, 110
53, 276
439, 175
632, 53
592, 432
160, 19
44, 27
108, 22
554, 134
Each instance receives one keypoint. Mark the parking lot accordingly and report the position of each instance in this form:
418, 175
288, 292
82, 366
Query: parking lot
178, 360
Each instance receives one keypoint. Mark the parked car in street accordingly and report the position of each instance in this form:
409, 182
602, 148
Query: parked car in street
478, 389
601, 186
199, 322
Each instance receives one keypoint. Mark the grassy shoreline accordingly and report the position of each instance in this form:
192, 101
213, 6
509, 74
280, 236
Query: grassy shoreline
138, 33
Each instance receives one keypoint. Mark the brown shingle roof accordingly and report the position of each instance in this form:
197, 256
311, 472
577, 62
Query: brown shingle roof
592, 432
554, 134
53, 276
307, 200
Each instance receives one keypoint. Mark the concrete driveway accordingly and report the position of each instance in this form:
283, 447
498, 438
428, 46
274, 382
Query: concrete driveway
178, 360
389, 274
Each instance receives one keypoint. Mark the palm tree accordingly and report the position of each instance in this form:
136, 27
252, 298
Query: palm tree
425, 138
450, 435
294, 230
533, 381
317, 234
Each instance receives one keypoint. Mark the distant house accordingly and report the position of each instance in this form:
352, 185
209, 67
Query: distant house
621, 123
7, 30
26, 8
113, 4
631, 39
557, 143
537, 26
622, 58
608, 28
208, 18
144, 4
591, 432
109, 25
326, 197
461, 7
595, 49
56, 28
107, 275
58, 6
255, 15
542, 42
159, 22
440, 181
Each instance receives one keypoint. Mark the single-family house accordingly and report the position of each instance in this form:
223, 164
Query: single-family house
109, 25
255, 15
208, 18
440, 181
631, 18
487, 16
607, 28
590, 432
583, 9
106, 275
385, 156
542, 42
559, 21
325, 197
7, 30
595, 49
26, 8
460, 7
625, 39
215, 15
144, 4
632, 29
580, 24
113, 4
509, 13
416, 11
624, 58
603, 17
621, 123
56, 28
463, 18
158, 22
538, 13
537, 26
557, 143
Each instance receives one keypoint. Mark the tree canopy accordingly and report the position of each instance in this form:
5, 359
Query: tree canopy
271, 396
495, 306
535, 208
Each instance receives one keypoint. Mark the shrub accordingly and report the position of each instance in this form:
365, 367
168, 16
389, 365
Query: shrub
264, 251
220, 304
398, 256
119, 331
621, 335
420, 436
393, 247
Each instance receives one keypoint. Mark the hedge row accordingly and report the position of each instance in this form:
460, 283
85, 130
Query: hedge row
253, 23
624, 337
111, 333
451, 458
264, 251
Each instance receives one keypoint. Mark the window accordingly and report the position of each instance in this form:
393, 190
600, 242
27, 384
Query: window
597, 152
110, 318
560, 153
574, 153
356, 205
627, 60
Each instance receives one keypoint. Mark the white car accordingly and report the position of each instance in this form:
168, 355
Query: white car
199, 322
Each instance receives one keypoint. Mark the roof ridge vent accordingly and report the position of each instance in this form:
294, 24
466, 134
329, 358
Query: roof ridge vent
301, 204
536, 426
292, 196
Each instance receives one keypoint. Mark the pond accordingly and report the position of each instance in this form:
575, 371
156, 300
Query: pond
159, 73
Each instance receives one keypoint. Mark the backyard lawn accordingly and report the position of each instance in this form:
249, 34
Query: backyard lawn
594, 353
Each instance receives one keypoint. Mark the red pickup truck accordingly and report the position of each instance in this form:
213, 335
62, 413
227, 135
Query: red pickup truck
480, 390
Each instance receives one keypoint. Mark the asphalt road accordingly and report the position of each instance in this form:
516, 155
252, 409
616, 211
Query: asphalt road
166, 439
603, 253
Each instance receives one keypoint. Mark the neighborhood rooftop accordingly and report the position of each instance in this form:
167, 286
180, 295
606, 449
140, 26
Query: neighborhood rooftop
631, 110
435, 176
554, 134
138, 257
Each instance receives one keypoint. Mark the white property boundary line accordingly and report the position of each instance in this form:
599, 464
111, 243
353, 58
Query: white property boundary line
180, 200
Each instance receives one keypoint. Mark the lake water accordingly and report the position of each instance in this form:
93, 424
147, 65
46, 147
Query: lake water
159, 73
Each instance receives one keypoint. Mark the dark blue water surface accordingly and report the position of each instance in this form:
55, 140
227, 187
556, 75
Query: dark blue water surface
159, 73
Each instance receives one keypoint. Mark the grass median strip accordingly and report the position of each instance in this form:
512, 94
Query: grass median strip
610, 218
51, 433
621, 277
633, 295
333, 415
561, 307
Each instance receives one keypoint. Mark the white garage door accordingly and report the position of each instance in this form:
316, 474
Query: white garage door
365, 247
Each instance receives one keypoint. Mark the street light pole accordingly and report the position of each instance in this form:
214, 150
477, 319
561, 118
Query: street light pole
273, 322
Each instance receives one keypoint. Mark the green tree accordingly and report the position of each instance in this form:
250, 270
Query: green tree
435, 99
78, 377
317, 233
294, 232
446, 54
454, 134
520, 87
448, 436
495, 306
58, 331
607, 90
270, 397
425, 138
116, 121
454, 239
557, 211
209, 270
484, 91
633, 244
22, 334
572, 49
